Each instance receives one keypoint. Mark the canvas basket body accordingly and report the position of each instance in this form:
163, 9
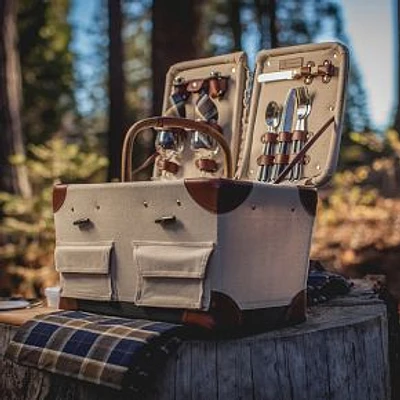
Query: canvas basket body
214, 238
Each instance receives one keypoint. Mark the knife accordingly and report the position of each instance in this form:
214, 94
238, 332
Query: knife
286, 126
279, 76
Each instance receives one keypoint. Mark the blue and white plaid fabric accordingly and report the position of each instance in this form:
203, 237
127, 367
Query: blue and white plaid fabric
112, 351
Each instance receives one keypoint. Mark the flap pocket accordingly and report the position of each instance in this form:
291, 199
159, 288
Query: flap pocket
81, 258
85, 269
171, 274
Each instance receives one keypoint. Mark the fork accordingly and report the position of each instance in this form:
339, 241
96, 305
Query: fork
303, 102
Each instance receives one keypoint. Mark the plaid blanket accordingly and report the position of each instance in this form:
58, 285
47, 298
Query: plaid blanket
112, 351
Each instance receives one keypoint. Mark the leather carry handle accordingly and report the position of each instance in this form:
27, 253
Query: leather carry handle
168, 123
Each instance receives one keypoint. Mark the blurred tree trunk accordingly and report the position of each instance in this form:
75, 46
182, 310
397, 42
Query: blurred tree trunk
273, 26
116, 88
396, 124
175, 37
265, 13
235, 8
13, 178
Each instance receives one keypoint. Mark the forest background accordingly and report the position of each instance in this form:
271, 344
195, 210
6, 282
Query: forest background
61, 121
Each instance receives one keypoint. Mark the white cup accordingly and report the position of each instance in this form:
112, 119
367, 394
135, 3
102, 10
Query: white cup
53, 296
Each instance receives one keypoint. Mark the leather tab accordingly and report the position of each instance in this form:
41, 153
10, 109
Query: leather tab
265, 159
206, 164
269, 137
284, 136
281, 158
195, 85
299, 135
169, 166
218, 87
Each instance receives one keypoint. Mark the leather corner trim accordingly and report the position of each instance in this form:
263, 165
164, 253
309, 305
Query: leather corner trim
59, 195
68, 303
309, 200
218, 196
223, 313
297, 308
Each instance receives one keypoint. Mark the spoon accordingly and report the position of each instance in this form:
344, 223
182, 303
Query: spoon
272, 119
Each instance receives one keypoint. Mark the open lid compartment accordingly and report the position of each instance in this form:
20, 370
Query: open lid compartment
199, 100
292, 67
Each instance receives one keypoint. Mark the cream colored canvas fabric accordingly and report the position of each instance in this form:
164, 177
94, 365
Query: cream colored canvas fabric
171, 274
257, 253
246, 239
327, 100
229, 106
85, 269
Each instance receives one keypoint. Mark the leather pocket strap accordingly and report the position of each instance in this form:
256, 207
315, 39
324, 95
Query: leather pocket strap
207, 165
299, 135
265, 159
285, 136
169, 166
167, 123
269, 137
281, 158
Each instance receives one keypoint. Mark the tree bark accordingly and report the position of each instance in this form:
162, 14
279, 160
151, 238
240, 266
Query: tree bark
265, 15
341, 352
13, 178
273, 25
175, 37
116, 87
396, 123
235, 7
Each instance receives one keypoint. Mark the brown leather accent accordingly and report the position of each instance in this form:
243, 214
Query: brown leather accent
195, 85
326, 69
281, 158
67, 303
309, 200
206, 164
299, 135
59, 195
218, 196
297, 310
269, 137
223, 313
284, 136
215, 126
218, 87
293, 156
265, 159
198, 318
169, 166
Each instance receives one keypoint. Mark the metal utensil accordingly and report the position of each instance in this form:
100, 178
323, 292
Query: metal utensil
285, 126
303, 102
201, 141
272, 119
169, 140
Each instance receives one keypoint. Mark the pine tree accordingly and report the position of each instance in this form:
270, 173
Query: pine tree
13, 178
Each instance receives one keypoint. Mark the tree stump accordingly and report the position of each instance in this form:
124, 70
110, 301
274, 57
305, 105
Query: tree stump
341, 352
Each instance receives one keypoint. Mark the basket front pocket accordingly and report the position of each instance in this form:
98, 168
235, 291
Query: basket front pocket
172, 274
85, 269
